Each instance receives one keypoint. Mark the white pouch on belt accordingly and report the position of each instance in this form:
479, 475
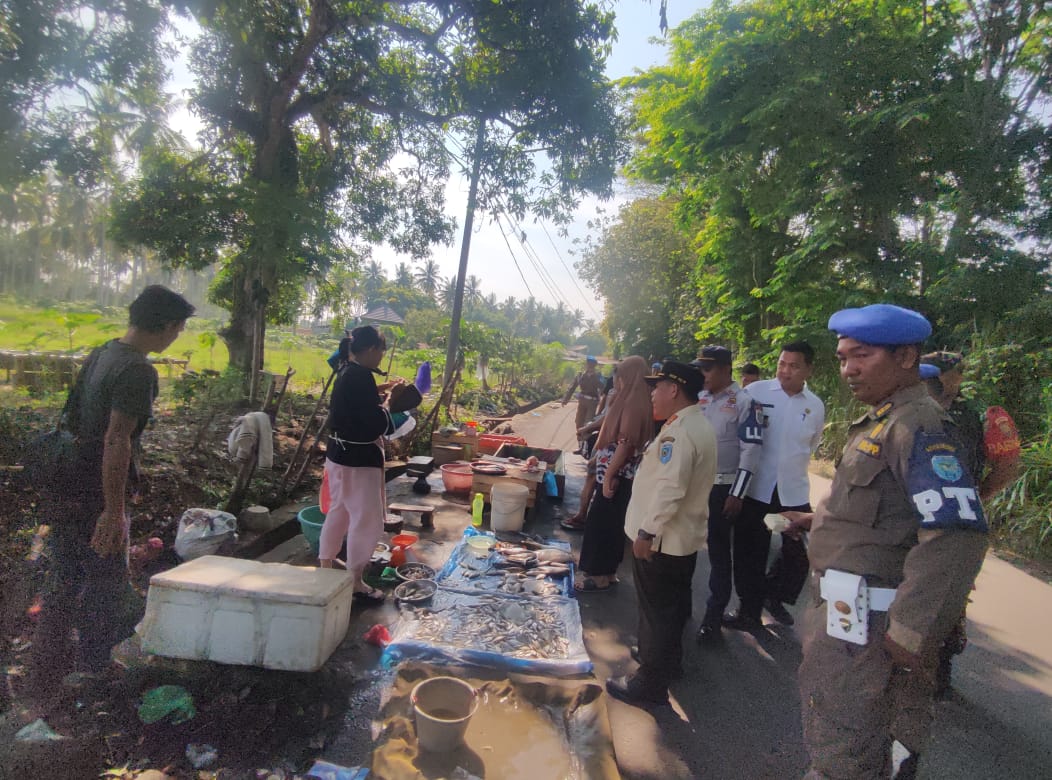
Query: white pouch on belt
847, 606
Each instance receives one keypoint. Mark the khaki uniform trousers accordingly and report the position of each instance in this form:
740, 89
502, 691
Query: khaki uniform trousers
854, 703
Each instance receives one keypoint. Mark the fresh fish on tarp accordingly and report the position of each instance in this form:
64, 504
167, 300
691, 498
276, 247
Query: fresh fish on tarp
525, 628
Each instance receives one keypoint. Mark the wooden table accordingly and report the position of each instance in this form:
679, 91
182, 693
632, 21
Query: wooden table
483, 483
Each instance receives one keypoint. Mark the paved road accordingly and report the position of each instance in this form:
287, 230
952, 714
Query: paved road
736, 713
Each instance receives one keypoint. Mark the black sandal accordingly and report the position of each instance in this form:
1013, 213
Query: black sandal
370, 598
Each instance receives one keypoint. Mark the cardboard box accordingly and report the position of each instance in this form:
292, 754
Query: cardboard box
235, 611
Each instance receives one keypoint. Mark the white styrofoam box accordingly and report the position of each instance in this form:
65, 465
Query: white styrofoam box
235, 611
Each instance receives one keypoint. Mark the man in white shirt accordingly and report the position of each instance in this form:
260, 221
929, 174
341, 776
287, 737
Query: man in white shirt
789, 419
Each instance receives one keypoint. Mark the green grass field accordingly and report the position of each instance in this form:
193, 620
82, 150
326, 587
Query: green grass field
78, 328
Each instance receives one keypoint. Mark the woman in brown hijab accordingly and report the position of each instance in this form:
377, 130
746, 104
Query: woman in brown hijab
627, 428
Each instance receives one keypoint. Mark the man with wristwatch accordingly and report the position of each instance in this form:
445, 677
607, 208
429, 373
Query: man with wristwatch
666, 521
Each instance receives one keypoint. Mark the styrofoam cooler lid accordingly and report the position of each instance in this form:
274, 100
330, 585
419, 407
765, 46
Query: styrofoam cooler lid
510, 490
279, 582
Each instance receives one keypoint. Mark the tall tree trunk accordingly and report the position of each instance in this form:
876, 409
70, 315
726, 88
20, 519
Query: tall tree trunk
465, 249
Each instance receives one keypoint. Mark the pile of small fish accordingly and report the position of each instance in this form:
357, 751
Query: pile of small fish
531, 586
520, 628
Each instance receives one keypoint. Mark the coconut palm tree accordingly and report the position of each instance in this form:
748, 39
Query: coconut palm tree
373, 278
404, 276
428, 276
447, 293
472, 290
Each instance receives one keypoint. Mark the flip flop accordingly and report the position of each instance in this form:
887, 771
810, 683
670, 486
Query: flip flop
569, 525
372, 597
588, 585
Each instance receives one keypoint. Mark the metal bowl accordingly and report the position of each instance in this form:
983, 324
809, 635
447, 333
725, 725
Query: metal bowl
415, 571
416, 592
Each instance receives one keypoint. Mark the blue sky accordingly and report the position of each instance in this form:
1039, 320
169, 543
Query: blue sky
638, 47
546, 260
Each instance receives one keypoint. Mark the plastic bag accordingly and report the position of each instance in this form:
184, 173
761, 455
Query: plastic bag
1000, 435
158, 703
202, 532
551, 487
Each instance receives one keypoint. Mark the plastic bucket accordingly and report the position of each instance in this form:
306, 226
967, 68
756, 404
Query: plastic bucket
508, 506
311, 519
442, 708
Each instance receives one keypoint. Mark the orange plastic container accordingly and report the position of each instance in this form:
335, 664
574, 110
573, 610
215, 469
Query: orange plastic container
399, 545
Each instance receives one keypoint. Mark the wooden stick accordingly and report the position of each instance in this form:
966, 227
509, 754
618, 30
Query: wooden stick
306, 430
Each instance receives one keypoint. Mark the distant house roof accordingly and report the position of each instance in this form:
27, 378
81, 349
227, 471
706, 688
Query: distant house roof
383, 314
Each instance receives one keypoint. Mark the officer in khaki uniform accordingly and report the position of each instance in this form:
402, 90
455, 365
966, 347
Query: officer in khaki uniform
894, 551
666, 522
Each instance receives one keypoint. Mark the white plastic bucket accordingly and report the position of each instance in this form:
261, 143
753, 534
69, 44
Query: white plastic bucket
508, 506
442, 707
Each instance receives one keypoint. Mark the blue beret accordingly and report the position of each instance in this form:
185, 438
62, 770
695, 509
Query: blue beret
881, 323
928, 371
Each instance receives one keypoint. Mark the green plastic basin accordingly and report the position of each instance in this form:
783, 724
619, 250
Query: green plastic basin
311, 519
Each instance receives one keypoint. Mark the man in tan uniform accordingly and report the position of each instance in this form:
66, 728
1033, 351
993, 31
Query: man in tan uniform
894, 551
588, 383
667, 522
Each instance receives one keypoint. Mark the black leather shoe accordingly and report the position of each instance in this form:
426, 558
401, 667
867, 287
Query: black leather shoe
742, 622
634, 691
777, 610
708, 634
633, 651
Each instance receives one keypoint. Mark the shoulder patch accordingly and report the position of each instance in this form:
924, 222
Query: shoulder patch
750, 430
667, 438
665, 454
942, 489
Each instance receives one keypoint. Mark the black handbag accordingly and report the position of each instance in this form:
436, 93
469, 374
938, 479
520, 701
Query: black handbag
52, 462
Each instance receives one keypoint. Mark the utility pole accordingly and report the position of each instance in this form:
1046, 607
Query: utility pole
465, 247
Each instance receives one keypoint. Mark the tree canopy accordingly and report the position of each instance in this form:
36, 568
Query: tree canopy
57, 57
326, 133
838, 154
641, 265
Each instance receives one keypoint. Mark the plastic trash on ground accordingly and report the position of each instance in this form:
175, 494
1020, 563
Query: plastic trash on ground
323, 770
38, 731
378, 635
167, 700
201, 756
202, 532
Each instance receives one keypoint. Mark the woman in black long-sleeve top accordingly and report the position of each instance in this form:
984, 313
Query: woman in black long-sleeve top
354, 464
